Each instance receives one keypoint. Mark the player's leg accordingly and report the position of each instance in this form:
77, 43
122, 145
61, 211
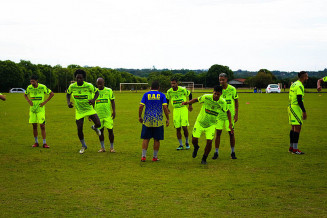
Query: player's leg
232, 144
217, 144
111, 139
197, 131
158, 134
296, 136
145, 145
35, 134
156, 146
97, 123
292, 130
206, 151
179, 138
101, 138
185, 130
146, 135
79, 124
42, 126
195, 142
185, 124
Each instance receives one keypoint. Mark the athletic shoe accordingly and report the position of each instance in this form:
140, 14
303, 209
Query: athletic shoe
180, 148
102, 150
297, 151
232, 155
46, 146
155, 159
215, 156
290, 149
195, 151
143, 159
82, 150
112, 150
203, 162
187, 146
97, 131
35, 145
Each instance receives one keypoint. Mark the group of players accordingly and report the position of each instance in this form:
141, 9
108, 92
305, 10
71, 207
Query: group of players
219, 111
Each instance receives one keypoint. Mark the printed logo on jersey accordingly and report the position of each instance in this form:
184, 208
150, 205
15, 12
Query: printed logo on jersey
80, 96
98, 101
154, 97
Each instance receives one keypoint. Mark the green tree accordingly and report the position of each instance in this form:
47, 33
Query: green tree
213, 74
12, 76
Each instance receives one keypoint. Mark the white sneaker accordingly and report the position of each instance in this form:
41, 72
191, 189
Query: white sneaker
97, 131
82, 150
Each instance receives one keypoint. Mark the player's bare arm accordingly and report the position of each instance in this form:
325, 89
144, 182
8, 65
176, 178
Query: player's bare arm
236, 110
3, 97
46, 101
140, 113
69, 103
319, 84
28, 100
194, 100
96, 95
113, 105
165, 107
190, 107
229, 115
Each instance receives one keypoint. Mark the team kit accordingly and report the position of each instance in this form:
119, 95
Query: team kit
219, 112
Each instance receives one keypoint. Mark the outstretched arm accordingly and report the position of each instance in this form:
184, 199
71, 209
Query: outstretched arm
194, 100
3, 97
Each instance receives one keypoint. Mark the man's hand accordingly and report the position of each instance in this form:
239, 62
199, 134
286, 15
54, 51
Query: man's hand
91, 102
140, 120
113, 115
319, 88
185, 103
190, 108
70, 105
30, 102
42, 104
304, 115
231, 128
236, 117
167, 122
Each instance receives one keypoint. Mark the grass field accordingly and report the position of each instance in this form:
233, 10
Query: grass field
264, 181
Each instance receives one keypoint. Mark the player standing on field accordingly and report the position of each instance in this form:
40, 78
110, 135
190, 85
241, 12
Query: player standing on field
319, 83
231, 97
296, 111
177, 95
152, 125
82, 93
34, 95
206, 121
106, 110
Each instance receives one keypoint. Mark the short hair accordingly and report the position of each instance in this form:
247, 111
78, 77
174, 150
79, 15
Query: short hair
80, 71
174, 79
155, 85
301, 73
34, 77
223, 75
218, 89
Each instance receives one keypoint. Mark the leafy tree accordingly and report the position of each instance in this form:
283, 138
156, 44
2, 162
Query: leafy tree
11, 74
213, 74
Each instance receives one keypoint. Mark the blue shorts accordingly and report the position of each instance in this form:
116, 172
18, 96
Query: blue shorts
152, 132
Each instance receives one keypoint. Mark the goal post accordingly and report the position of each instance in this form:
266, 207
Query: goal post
198, 86
188, 85
133, 86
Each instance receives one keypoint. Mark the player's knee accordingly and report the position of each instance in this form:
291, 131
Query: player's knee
34, 126
42, 126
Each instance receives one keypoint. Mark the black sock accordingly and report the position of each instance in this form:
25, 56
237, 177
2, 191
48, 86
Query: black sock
291, 138
204, 157
296, 136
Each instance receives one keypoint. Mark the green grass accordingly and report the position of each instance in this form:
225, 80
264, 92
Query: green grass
265, 180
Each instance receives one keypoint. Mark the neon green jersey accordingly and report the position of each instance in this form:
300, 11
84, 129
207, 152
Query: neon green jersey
82, 94
210, 110
229, 94
296, 89
103, 103
37, 96
324, 79
177, 97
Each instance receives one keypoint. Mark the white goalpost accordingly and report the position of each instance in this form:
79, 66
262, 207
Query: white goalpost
198, 86
188, 85
133, 86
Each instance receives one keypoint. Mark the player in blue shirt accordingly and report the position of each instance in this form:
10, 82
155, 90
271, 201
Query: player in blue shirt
155, 102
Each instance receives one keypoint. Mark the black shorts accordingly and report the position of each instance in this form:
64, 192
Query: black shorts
152, 132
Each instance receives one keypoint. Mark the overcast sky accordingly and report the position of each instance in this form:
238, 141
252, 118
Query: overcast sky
288, 35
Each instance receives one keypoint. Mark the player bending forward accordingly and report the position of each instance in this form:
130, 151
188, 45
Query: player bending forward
206, 121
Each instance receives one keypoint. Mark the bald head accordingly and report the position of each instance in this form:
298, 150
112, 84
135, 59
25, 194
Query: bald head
100, 83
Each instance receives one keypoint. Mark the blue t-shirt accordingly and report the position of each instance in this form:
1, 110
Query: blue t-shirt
153, 101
